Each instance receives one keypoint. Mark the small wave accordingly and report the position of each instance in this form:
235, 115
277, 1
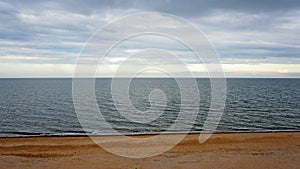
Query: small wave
98, 133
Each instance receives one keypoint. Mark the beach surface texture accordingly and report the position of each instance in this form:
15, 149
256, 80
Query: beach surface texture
227, 150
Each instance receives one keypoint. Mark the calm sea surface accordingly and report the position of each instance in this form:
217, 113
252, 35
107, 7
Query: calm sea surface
45, 106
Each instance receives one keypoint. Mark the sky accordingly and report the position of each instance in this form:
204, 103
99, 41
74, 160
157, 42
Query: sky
257, 38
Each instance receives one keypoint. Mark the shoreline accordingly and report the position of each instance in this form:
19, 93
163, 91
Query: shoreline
146, 133
221, 150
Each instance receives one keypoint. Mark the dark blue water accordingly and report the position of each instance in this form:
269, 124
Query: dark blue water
45, 106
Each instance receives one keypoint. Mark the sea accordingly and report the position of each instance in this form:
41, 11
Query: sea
45, 107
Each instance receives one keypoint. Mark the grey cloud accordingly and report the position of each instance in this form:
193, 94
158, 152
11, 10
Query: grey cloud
55, 31
197, 7
178, 7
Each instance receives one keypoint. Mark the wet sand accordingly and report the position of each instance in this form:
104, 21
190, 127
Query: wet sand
227, 150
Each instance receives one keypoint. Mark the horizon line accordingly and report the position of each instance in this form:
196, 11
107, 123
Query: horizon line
149, 77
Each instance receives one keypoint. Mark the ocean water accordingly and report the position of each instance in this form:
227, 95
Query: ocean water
45, 106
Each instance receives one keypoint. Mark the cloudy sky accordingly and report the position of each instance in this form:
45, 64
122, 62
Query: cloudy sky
257, 38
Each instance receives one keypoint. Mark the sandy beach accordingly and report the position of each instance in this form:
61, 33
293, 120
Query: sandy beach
227, 150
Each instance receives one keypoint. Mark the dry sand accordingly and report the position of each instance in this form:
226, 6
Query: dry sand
231, 150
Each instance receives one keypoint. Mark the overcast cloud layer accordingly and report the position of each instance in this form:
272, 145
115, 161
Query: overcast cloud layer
253, 38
